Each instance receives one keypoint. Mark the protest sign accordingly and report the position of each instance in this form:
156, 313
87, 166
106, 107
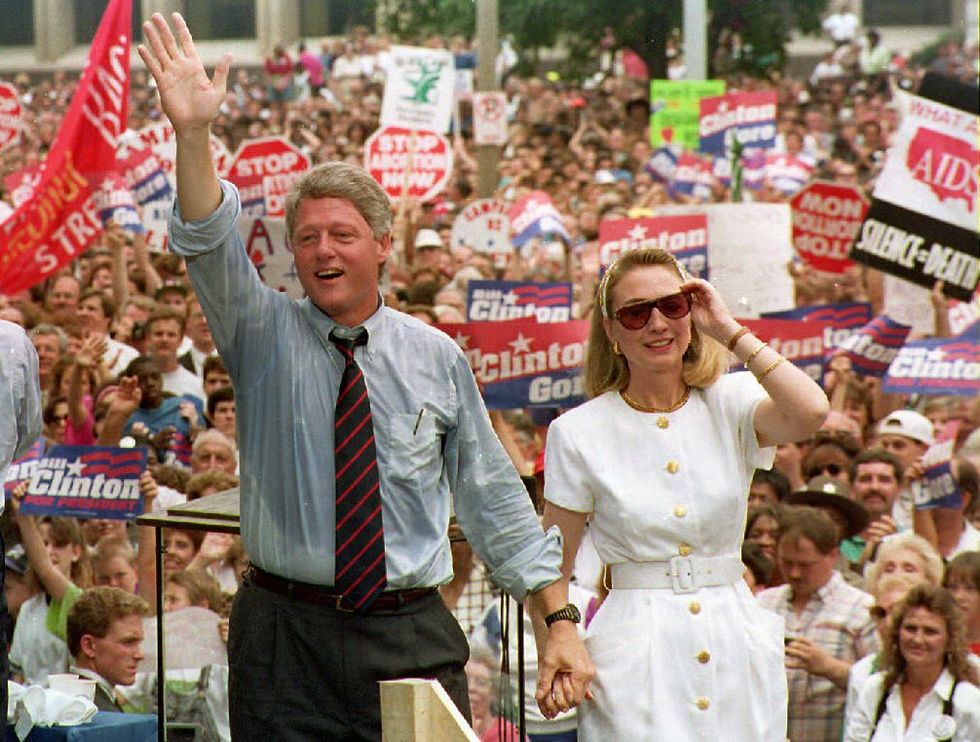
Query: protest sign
802, 343
535, 215
826, 216
675, 107
161, 139
937, 366
693, 177
663, 162
873, 347
267, 248
909, 304
86, 482
21, 184
11, 116
115, 201
489, 118
419, 89
60, 220
263, 170
841, 319
420, 160
750, 249
482, 225
786, 173
747, 118
685, 236
922, 224
523, 363
489, 301
23, 468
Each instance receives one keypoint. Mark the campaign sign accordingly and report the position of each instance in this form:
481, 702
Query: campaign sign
535, 215
23, 468
161, 139
402, 159
801, 343
937, 366
873, 347
676, 234
490, 301
115, 201
937, 487
753, 166
144, 173
482, 225
521, 363
826, 217
748, 118
662, 163
86, 482
841, 319
674, 110
11, 112
787, 173
419, 90
20, 184
693, 177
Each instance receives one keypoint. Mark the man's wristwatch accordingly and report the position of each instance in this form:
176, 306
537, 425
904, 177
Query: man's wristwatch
569, 613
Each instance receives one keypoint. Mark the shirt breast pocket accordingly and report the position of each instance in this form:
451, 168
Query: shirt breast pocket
414, 442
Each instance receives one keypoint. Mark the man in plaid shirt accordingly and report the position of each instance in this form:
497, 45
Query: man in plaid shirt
828, 626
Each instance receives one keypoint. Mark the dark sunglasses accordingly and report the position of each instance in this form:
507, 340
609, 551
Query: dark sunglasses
877, 612
636, 316
831, 469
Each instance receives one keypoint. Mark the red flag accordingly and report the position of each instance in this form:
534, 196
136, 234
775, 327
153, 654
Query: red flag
61, 219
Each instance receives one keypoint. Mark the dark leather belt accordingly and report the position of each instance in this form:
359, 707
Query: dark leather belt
327, 596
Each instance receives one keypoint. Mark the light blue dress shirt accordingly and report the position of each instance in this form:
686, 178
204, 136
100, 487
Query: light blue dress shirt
20, 396
432, 432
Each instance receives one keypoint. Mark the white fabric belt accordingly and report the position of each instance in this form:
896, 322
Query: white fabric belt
681, 574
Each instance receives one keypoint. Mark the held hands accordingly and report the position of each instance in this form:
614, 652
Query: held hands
564, 671
708, 312
187, 96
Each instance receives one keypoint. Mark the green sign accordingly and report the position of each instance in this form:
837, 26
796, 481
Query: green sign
674, 109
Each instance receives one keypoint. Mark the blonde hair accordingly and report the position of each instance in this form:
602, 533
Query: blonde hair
932, 562
705, 359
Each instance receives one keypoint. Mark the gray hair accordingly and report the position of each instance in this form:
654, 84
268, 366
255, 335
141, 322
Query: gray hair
47, 329
342, 180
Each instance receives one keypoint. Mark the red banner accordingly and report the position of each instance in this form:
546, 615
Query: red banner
61, 219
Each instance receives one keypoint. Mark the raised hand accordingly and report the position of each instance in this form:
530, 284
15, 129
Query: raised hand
187, 96
127, 397
709, 312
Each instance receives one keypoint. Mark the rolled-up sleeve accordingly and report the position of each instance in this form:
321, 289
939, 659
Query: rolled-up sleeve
239, 308
492, 504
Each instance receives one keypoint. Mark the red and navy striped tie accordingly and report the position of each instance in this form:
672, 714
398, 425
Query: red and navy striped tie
360, 555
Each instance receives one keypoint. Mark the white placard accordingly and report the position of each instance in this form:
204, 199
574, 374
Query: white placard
749, 247
265, 243
490, 118
420, 89
909, 304
484, 226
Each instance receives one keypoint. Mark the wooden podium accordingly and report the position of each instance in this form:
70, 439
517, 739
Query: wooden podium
218, 512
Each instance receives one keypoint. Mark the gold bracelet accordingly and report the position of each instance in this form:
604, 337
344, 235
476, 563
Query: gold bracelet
770, 367
754, 353
735, 338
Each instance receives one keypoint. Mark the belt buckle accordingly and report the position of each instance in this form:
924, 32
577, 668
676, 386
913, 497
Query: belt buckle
684, 575
342, 603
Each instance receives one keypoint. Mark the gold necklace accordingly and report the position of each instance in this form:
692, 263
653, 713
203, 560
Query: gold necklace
643, 408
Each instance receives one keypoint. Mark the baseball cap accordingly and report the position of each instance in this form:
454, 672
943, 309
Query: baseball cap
909, 424
427, 238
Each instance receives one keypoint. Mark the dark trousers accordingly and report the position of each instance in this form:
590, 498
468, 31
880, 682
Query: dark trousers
307, 672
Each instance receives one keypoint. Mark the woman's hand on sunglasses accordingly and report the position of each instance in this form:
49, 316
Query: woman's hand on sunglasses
709, 313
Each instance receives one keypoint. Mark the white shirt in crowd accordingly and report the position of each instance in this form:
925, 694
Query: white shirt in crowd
181, 381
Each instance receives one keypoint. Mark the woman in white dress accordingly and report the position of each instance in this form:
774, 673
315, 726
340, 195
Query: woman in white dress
662, 456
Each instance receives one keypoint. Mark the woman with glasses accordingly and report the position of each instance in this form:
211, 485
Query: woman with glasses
927, 689
662, 456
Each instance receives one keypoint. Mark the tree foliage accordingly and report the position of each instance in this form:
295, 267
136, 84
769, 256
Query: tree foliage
642, 25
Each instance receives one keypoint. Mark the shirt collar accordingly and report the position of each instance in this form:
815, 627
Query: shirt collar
822, 593
944, 684
324, 324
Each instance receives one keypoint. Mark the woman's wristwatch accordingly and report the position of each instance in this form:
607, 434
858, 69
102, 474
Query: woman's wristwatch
569, 613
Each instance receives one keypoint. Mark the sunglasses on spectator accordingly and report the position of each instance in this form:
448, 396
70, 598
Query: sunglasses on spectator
878, 613
636, 316
58, 418
831, 469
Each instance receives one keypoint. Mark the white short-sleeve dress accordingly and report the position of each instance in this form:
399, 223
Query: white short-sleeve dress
701, 666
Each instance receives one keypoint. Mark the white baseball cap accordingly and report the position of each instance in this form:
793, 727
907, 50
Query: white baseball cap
909, 424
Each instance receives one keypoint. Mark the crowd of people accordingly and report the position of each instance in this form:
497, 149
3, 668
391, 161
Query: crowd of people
881, 601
